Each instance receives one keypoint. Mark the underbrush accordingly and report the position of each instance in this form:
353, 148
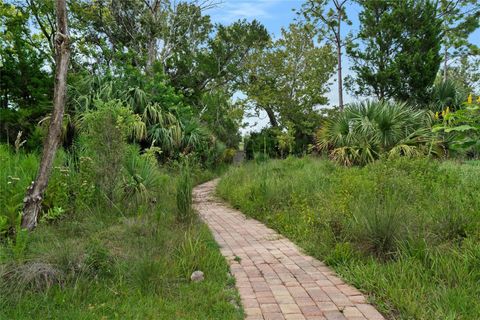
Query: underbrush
406, 232
113, 253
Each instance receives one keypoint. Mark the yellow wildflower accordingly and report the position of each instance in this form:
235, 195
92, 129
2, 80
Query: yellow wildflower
470, 98
478, 99
436, 115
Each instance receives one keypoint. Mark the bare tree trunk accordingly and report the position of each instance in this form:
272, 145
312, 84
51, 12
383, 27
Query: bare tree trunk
154, 8
445, 65
339, 59
271, 117
152, 54
338, 39
34, 195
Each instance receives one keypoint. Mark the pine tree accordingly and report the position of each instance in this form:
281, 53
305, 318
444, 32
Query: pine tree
392, 59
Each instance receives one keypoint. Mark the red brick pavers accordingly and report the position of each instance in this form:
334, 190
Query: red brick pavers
274, 278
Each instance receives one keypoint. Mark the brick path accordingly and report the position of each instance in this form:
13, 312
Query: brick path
274, 278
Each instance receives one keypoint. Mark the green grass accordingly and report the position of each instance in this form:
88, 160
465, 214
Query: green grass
406, 232
114, 261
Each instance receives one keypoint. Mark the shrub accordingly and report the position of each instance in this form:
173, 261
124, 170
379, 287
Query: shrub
104, 139
265, 142
447, 94
462, 127
364, 132
142, 179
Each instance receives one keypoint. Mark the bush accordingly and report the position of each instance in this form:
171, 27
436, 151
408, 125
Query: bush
461, 128
447, 94
364, 132
142, 179
264, 142
104, 140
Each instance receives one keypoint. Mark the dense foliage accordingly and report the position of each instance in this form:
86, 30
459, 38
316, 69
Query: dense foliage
405, 231
461, 128
157, 94
94, 257
365, 132
397, 60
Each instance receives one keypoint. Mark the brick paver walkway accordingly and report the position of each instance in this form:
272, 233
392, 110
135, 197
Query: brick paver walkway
274, 278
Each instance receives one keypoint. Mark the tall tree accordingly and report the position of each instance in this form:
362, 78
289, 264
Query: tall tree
219, 62
459, 19
330, 21
34, 195
26, 86
289, 80
392, 59
196, 55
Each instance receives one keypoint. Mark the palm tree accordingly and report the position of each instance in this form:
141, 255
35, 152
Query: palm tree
364, 132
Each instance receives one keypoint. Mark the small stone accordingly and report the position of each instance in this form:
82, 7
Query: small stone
197, 276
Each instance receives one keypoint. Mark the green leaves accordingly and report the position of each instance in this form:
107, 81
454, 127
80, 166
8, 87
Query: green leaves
290, 78
367, 131
461, 128
398, 52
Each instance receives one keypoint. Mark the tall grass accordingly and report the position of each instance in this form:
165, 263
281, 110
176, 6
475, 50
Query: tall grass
102, 259
405, 231
184, 193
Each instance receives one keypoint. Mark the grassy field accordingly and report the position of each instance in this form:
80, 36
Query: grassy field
407, 232
107, 261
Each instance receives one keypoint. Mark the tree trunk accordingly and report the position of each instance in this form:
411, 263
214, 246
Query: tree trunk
338, 39
34, 195
271, 117
445, 64
152, 54
339, 60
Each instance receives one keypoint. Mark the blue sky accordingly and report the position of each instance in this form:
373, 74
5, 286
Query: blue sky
275, 14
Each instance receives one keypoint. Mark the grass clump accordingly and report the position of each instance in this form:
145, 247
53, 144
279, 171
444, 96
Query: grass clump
404, 231
184, 193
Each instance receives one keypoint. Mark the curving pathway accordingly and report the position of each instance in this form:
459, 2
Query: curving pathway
275, 279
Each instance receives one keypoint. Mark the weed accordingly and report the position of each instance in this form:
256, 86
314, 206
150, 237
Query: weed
184, 194
405, 230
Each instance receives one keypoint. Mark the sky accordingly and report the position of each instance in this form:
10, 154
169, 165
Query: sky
275, 14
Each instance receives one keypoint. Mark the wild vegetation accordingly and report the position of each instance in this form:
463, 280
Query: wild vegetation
404, 231
112, 111
115, 236
108, 237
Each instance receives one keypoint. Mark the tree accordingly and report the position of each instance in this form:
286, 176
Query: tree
330, 24
195, 55
26, 87
366, 131
217, 63
397, 60
459, 19
34, 195
289, 79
